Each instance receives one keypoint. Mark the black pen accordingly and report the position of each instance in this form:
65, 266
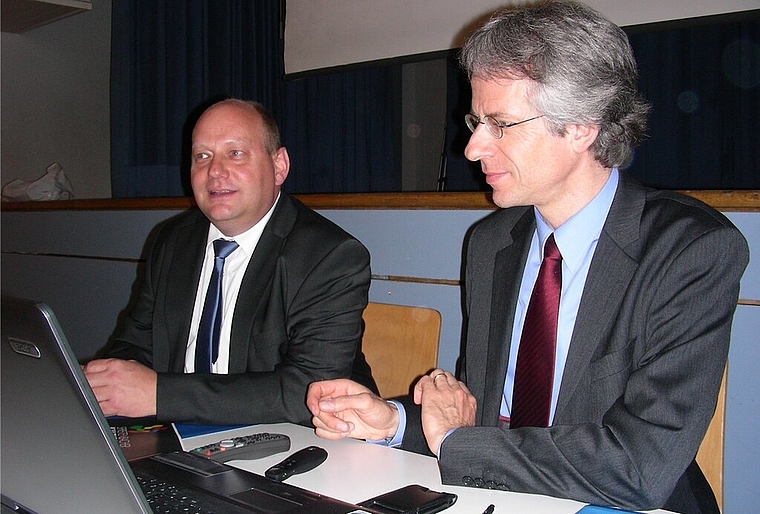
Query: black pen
489, 509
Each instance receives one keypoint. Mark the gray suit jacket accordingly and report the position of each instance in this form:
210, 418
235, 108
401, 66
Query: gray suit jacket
644, 366
298, 319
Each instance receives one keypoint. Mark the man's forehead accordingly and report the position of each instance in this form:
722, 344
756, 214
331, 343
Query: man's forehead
199, 142
499, 95
232, 127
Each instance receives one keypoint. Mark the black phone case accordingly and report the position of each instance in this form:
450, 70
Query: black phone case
411, 499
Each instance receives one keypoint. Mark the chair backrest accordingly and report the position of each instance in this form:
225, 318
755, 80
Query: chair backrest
400, 344
710, 454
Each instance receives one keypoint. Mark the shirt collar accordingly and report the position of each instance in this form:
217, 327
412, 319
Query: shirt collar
248, 239
578, 234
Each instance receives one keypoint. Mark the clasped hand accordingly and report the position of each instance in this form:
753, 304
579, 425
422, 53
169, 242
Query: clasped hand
343, 408
446, 404
122, 387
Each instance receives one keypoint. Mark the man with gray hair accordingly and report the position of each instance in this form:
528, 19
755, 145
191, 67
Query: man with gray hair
598, 312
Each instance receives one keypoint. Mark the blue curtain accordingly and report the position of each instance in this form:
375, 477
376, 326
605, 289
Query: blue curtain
703, 81
170, 60
339, 132
461, 174
704, 85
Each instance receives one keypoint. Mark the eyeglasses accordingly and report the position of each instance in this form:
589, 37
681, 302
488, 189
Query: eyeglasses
494, 127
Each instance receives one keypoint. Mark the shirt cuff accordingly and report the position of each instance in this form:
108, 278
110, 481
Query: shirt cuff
398, 437
447, 434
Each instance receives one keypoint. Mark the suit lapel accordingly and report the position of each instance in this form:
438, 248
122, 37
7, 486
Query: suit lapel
254, 289
610, 272
508, 269
181, 288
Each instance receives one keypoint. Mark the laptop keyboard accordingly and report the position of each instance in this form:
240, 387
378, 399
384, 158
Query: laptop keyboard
165, 497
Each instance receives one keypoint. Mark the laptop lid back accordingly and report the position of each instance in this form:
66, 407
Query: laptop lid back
57, 451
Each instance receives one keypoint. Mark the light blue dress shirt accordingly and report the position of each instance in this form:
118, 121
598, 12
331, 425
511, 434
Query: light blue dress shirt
576, 239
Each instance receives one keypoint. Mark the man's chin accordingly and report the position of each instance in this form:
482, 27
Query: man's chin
500, 198
219, 215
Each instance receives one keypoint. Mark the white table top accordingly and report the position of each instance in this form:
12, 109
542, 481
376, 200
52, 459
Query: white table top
355, 471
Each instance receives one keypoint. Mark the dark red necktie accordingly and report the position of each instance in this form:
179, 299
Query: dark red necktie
534, 374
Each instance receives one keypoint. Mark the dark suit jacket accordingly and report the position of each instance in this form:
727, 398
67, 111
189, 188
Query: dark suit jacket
644, 366
298, 319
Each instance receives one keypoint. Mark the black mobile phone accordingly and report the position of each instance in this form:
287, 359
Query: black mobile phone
411, 499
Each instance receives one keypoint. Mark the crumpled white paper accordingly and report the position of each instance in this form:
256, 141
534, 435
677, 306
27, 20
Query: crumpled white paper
53, 185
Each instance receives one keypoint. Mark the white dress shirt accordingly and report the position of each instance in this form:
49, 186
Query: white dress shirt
235, 266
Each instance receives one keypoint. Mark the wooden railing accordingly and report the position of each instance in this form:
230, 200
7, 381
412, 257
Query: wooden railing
722, 200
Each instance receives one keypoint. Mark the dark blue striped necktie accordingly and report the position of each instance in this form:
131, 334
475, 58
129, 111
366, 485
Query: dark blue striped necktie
207, 344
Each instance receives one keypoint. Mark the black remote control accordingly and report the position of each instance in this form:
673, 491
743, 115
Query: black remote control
255, 446
300, 462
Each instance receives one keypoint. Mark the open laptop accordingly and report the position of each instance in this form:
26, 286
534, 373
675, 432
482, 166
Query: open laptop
60, 455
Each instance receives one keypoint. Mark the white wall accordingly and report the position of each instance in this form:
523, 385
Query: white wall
327, 33
55, 101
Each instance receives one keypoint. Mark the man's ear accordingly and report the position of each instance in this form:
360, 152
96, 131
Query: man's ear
281, 161
581, 137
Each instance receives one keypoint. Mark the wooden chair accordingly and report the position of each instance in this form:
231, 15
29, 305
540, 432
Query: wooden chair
710, 454
400, 344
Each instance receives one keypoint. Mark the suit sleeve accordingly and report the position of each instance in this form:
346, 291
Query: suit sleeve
135, 335
631, 448
315, 312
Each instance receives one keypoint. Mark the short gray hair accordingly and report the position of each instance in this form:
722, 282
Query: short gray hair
581, 63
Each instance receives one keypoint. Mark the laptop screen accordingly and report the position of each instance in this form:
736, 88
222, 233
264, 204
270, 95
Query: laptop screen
58, 454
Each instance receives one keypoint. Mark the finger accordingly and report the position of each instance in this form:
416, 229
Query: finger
105, 406
94, 366
329, 434
440, 378
313, 395
332, 425
417, 393
428, 379
316, 390
357, 402
101, 393
419, 387
329, 387
435, 373
96, 379
425, 381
